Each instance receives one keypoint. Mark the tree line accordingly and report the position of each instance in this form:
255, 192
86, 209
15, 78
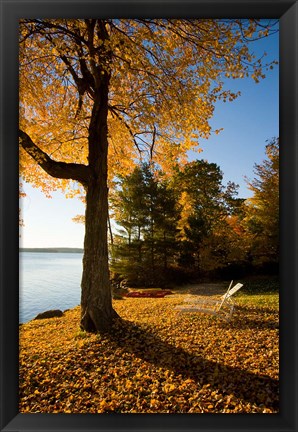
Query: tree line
191, 226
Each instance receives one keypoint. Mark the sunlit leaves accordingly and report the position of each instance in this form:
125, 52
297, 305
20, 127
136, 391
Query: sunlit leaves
262, 209
166, 76
156, 361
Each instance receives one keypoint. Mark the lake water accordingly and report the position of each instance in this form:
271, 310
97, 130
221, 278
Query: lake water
48, 281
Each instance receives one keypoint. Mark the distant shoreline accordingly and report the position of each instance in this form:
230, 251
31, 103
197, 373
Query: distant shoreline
52, 250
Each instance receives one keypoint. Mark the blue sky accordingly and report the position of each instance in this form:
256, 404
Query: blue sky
248, 122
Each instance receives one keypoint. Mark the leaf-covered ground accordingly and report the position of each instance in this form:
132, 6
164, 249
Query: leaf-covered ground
155, 361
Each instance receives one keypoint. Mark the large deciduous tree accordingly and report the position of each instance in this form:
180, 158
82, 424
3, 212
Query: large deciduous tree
262, 209
206, 208
98, 92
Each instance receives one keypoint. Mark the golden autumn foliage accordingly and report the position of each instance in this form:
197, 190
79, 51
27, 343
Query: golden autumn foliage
261, 221
166, 76
155, 361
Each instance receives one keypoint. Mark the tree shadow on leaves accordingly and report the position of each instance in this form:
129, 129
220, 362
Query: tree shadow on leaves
245, 385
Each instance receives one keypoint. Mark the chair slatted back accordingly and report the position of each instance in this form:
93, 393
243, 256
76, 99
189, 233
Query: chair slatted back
234, 289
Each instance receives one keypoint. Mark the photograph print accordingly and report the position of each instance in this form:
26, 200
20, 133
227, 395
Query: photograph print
149, 216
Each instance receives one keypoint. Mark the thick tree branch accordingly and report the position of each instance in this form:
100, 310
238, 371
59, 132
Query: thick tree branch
63, 170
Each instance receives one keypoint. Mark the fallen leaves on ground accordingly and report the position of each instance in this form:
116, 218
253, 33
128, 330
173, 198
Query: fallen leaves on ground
155, 360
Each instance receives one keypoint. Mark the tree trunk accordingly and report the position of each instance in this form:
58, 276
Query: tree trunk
165, 254
96, 301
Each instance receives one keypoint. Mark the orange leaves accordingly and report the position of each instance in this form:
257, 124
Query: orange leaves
169, 388
154, 361
165, 76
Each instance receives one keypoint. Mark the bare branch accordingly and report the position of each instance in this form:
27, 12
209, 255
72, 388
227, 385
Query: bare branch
127, 127
153, 142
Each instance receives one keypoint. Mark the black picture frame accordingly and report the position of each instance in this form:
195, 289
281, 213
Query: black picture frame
11, 12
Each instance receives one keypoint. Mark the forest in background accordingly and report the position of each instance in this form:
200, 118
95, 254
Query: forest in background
191, 227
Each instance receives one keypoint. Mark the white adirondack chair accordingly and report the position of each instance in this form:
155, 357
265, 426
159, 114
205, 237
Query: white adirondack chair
222, 307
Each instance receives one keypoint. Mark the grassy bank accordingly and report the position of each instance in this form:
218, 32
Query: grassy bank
154, 361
